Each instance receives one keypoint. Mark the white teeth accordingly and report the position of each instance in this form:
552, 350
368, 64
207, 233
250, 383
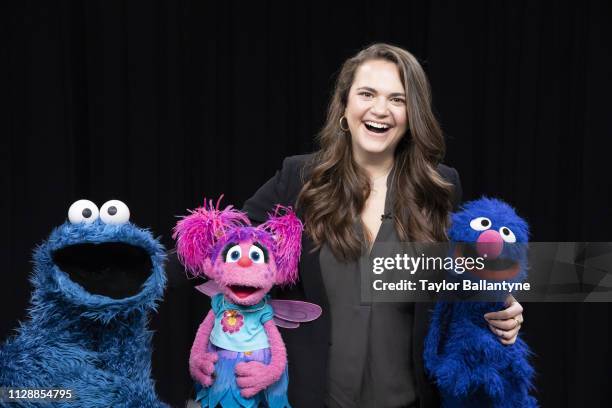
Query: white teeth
377, 125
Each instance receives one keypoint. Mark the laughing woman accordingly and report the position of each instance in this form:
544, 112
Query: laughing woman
380, 153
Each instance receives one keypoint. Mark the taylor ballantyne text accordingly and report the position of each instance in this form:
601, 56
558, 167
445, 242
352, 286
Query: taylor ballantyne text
465, 285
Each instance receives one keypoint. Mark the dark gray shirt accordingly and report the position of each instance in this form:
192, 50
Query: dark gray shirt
370, 361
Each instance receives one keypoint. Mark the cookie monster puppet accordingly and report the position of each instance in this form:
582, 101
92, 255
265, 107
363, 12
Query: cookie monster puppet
95, 279
469, 365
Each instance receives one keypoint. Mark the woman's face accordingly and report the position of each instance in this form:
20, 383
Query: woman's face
376, 110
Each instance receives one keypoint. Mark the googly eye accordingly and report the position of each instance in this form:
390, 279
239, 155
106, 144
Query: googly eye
480, 223
233, 254
114, 212
507, 235
256, 254
83, 212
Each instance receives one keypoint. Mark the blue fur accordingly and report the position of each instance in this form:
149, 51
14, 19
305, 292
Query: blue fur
97, 346
470, 366
501, 215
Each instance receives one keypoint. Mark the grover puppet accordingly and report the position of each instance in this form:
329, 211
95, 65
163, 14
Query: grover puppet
238, 356
468, 363
95, 280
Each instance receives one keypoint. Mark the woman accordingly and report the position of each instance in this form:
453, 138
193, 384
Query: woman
377, 177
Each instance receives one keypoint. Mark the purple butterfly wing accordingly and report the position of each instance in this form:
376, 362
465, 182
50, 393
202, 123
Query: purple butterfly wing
285, 324
209, 288
290, 313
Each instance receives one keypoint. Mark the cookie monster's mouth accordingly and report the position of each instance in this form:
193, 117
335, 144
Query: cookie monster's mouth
113, 269
494, 269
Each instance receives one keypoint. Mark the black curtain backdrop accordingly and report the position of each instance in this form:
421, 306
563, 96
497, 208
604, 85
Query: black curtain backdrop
160, 104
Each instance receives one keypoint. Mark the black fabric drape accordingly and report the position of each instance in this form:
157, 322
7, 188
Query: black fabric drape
160, 104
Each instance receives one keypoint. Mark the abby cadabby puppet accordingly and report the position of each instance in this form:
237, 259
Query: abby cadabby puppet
238, 357
469, 365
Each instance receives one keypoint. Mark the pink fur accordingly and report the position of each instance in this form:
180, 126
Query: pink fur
287, 232
201, 362
256, 275
196, 234
254, 376
201, 238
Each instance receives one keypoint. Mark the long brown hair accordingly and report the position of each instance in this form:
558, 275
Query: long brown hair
335, 195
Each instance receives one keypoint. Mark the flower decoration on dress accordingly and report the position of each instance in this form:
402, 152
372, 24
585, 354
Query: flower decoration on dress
232, 321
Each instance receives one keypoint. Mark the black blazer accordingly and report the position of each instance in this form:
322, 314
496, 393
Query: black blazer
308, 346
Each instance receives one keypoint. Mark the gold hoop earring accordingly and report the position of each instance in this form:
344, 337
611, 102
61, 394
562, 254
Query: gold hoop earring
347, 127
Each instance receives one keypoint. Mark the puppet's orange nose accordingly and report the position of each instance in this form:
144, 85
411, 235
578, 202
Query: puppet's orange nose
245, 261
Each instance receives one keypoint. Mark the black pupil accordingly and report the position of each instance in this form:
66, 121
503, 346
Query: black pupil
86, 213
112, 210
484, 223
505, 231
254, 256
235, 255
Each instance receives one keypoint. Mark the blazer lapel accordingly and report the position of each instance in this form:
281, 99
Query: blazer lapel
311, 278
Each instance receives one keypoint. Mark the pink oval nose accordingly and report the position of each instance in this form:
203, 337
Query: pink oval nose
490, 243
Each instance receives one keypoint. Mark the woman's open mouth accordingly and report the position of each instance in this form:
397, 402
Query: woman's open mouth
377, 127
241, 291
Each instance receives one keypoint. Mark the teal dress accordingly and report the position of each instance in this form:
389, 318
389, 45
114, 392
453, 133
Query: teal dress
238, 335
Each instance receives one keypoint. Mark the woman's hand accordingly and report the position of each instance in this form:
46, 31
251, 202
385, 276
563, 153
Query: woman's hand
506, 323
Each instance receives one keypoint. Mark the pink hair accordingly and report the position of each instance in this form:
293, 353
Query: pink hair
201, 235
286, 230
197, 233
